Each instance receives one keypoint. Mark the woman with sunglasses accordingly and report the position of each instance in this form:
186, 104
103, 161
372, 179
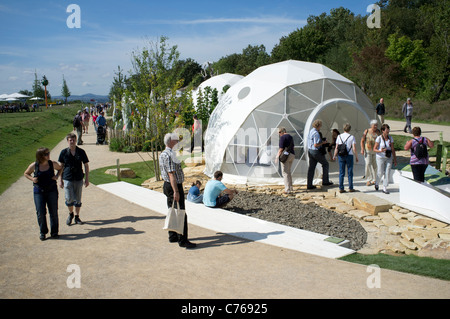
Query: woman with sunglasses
45, 190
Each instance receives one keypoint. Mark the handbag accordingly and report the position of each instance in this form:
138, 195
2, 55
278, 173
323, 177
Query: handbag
175, 219
285, 154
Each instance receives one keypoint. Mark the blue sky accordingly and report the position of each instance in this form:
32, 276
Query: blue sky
34, 35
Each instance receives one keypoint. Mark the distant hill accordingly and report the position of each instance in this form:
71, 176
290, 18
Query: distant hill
85, 98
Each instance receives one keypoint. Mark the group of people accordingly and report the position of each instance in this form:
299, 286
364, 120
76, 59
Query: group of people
81, 122
377, 147
72, 170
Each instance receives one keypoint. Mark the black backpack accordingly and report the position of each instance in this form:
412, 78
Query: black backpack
421, 150
342, 148
76, 121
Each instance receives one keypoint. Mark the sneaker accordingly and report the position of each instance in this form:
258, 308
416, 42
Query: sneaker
352, 190
342, 191
385, 191
376, 187
311, 187
327, 184
42, 237
187, 245
78, 220
69, 219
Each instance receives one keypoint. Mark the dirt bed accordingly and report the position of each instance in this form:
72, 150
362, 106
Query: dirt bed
290, 212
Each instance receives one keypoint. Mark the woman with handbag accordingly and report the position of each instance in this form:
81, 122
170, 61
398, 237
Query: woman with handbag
286, 155
384, 148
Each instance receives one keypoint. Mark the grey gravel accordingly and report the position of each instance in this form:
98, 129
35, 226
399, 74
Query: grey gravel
291, 212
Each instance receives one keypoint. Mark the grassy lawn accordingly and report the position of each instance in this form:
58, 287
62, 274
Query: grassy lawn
22, 133
143, 170
423, 266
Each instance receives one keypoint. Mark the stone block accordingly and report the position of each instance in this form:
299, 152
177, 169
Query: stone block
408, 244
409, 235
396, 230
388, 219
370, 203
444, 236
124, 172
358, 213
420, 241
437, 248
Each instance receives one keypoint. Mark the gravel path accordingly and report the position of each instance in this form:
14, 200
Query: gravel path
290, 212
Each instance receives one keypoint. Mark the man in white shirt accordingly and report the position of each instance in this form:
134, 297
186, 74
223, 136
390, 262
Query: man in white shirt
346, 160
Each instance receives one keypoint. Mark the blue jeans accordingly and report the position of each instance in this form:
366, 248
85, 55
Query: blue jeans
48, 200
195, 199
343, 162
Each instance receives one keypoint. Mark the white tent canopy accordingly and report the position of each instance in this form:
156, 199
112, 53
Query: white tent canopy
242, 135
217, 82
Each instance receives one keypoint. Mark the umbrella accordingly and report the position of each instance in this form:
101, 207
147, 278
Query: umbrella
17, 95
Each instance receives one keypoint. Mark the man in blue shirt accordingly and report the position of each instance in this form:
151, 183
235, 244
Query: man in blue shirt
315, 156
213, 189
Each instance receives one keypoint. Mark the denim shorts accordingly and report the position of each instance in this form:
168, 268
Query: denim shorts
72, 192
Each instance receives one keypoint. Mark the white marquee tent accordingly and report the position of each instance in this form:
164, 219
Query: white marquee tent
217, 82
242, 135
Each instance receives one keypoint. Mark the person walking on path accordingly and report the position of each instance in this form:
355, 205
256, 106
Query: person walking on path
72, 159
78, 127
315, 156
346, 160
367, 144
381, 110
286, 142
419, 154
407, 111
173, 176
45, 191
384, 147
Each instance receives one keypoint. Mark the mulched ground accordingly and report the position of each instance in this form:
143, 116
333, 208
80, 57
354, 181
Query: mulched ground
291, 212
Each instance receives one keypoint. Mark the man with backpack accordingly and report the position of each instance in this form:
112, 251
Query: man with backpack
419, 154
78, 127
345, 150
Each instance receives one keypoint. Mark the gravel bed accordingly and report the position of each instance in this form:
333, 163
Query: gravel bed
291, 212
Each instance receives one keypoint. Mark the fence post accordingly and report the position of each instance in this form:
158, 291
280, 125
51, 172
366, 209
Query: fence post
118, 170
439, 151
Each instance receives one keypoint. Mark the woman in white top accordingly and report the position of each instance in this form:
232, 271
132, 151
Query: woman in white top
347, 160
384, 147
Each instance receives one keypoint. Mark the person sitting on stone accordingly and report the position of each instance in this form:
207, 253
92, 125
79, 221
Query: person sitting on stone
212, 194
194, 195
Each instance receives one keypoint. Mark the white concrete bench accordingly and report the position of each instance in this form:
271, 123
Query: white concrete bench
234, 224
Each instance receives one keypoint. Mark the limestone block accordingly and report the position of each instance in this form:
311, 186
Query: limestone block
408, 244
420, 242
358, 213
388, 219
396, 230
124, 172
370, 203
444, 236
409, 235
344, 208
437, 248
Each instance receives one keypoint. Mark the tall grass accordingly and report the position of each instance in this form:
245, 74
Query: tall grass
22, 133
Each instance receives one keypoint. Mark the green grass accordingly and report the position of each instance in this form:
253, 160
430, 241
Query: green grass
423, 266
143, 173
22, 133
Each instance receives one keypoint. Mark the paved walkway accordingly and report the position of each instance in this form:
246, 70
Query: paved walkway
122, 252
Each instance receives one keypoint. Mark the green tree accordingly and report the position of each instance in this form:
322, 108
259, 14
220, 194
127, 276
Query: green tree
65, 90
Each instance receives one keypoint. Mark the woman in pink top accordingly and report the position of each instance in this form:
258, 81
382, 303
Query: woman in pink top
419, 159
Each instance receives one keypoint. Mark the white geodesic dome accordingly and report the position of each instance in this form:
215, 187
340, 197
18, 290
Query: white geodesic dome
217, 82
242, 135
